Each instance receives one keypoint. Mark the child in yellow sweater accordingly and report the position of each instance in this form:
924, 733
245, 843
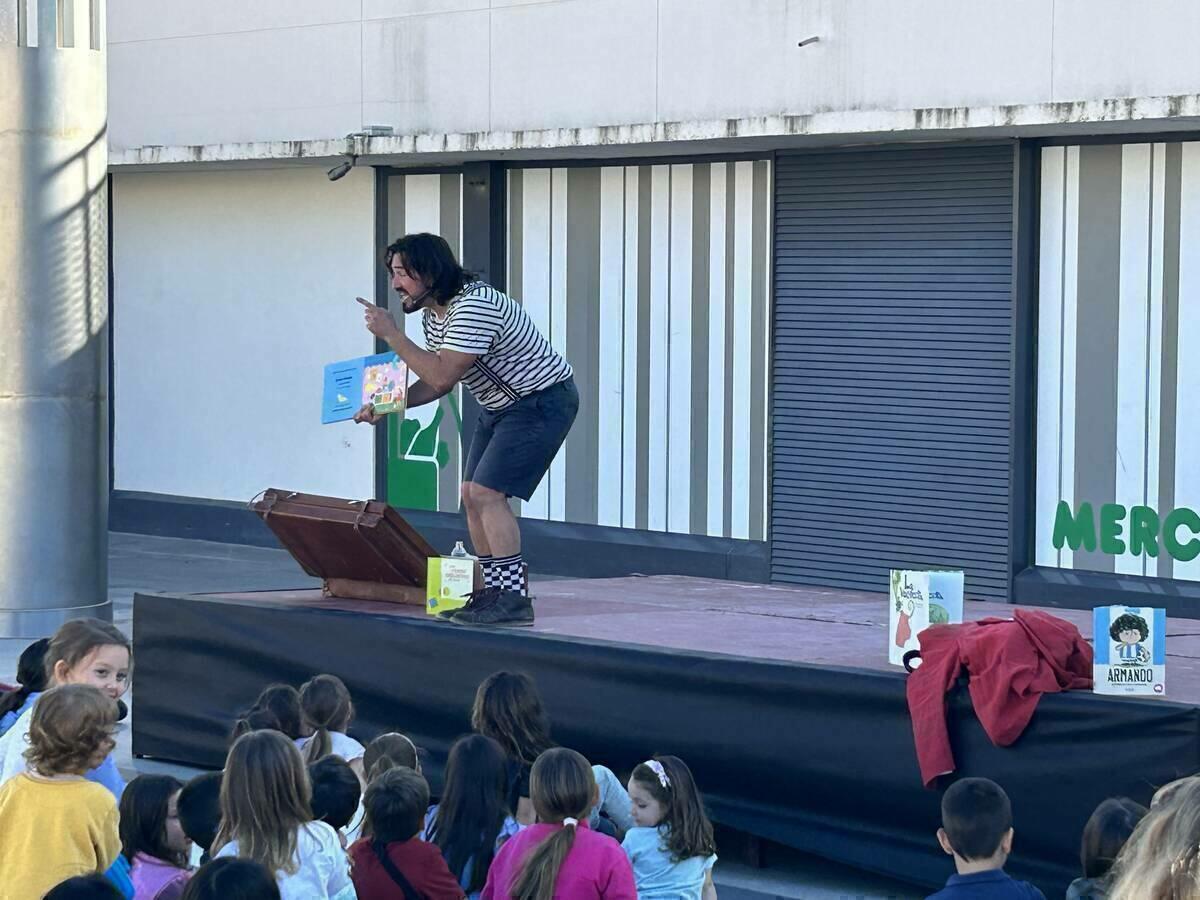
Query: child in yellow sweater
54, 824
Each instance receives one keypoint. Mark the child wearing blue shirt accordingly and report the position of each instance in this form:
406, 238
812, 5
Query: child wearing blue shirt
977, 831
671, 845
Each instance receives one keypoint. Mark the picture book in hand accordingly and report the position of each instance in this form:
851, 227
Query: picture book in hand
381, 380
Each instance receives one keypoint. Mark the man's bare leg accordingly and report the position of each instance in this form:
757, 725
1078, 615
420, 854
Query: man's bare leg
479, 541
500, 529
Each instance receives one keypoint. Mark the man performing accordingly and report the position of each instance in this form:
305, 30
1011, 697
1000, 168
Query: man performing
483, 338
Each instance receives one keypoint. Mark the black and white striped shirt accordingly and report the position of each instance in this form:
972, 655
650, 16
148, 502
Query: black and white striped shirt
513, 359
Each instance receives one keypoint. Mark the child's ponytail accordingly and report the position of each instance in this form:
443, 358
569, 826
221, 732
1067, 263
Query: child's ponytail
319, 746
326, 705
535, 880
562, 789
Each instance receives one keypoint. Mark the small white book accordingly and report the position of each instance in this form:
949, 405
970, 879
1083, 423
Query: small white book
909, 613
918, 600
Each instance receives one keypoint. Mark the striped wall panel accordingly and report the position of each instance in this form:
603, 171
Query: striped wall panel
653, 280
1118, 340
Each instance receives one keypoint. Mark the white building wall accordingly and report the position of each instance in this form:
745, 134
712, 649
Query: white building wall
232, 290
185, 73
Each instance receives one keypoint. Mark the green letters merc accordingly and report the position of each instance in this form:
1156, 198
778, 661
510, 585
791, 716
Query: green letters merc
1135, 531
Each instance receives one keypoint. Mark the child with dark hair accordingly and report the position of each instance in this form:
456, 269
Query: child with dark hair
1103, 837
671, 849
278, 709
335, 793
509, 710
390, 861
54, 824
561, 856
473, 820
328, 712
84, 887
31, 676
977, 831
232, 879
199, 808
151, 838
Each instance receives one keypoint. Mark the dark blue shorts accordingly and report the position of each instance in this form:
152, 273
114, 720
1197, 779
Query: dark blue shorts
511, 450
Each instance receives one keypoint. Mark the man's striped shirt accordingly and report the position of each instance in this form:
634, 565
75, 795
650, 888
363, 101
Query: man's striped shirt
513, 359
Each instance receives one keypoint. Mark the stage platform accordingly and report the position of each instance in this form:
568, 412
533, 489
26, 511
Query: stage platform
780, 699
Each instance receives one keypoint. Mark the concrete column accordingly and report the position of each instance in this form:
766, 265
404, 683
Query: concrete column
53, 315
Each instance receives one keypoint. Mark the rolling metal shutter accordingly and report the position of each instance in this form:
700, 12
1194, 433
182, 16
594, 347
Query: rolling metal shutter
892, 351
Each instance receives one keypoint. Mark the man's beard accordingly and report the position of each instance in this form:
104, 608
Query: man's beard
412, 304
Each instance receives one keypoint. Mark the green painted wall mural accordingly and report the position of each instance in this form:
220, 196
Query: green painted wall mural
418, 457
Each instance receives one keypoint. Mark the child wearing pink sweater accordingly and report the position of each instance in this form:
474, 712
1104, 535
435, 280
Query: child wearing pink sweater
560, 857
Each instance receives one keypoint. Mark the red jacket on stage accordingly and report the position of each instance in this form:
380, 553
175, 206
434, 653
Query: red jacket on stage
1011, 663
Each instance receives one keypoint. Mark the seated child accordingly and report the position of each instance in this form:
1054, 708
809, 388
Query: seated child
1103, 837
85, 887
671, 847
509, 709
232, 879
473, 820
151, 838
266, 815
977, 831
277, 708
335, 793
31, 676
389, 751
54, 824
561, 856
82, 651
199, 809
328, 712
390, 861
1162, 856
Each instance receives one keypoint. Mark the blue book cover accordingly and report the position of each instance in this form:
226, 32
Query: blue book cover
381, 380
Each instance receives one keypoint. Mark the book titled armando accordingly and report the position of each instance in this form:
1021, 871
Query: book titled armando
381, 380
1130, 650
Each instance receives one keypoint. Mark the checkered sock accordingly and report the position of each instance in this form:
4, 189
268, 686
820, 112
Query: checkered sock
488, 565
510, 573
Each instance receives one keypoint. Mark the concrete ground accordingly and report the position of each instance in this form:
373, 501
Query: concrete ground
144, 563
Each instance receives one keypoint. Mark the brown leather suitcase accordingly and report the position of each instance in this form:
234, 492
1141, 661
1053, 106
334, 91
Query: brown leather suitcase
361, 549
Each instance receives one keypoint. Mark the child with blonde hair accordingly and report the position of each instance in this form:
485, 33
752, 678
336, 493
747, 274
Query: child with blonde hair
389, 751
54, 824
266, 816
1162, 856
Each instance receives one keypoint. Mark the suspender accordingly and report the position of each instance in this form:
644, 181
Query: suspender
410, 893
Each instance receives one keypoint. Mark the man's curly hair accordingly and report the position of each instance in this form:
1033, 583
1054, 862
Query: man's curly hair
70, 725
1129, 622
